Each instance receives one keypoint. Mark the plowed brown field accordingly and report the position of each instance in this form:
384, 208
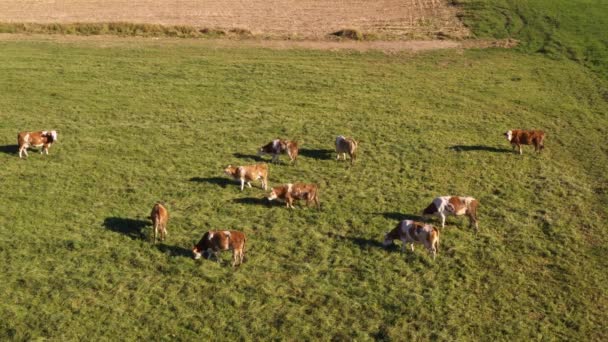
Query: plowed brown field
393, 19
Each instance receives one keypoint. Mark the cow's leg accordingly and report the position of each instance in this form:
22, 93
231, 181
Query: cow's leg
155, 230
412, 246
249, 184
520, 152
242, 184
45, 148
442, 220
21, 150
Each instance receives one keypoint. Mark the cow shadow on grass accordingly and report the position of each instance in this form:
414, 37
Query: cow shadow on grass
363, 243
174, 251
220, 181
323, 154
9, 149
132, 228
256, 201
249, 156
471, 148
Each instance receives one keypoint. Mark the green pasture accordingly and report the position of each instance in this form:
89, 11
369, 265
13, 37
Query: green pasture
572, 29
141, 122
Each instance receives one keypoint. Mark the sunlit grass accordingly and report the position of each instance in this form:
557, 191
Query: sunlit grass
139, 123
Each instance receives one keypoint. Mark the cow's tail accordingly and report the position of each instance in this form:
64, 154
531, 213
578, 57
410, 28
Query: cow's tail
435, 242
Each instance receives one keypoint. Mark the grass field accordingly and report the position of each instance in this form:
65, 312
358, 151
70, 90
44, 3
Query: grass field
139, 122
556, 28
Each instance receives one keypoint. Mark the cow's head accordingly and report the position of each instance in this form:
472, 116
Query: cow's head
268, 148
430, 210
230, 170
52, 135
273, 195
509, 135
196, 253
387, 240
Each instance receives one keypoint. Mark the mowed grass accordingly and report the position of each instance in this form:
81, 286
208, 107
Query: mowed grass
141, 122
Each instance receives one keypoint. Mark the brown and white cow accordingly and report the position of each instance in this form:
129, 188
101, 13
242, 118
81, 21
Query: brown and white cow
453, 205
159, 217
518, 137
411, 232
290, 192
346, 145
42, 139
215, 241
249, 173
278, 146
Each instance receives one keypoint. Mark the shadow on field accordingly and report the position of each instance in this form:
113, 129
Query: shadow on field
362, 242
256, 201
249, 156
221, 181
465, 148
400, 216
129, 227
174, 251
9, 149
317, 154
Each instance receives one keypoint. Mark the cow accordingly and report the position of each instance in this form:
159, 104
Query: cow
346, 145
411, 232
518, 137
249, 173
453, 205
290, 192
159, 217
42, 139
215, 241
278, 146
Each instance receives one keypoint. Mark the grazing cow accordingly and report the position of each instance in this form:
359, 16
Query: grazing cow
215, 241
346, 145
518, 137
290, 192
249, 173
453, 205
159, 217
278, 146
411, 232
42, 139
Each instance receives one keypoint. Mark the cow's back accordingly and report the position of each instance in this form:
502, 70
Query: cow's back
159, 214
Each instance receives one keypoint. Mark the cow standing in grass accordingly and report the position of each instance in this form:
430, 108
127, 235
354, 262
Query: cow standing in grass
279, 146
453, 205
290, 192
215, 241
159, 217
518, 137
346, 145
411, 232
249, 173
42, 139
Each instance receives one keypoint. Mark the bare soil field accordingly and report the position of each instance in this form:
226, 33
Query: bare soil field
311, 19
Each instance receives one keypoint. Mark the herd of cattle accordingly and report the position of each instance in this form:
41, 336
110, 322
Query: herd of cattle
215, 241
